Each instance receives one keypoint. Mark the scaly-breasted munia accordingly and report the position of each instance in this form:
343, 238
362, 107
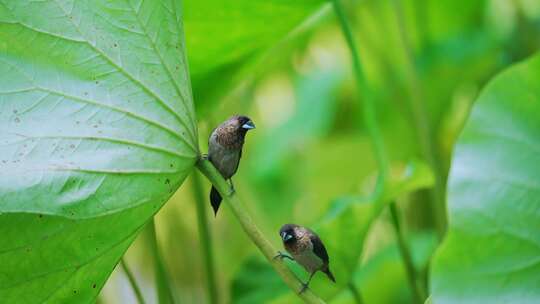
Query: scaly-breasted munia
225, 149
306, 249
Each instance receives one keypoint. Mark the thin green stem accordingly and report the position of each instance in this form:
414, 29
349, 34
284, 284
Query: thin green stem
419, 117
421, 19
417, 294
164, 291
356, 293
205, 237
132, 281
370, 116
376, 137
254, 233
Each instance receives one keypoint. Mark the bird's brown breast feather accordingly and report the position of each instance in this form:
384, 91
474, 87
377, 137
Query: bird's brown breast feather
303, 242
229, 137
225, 160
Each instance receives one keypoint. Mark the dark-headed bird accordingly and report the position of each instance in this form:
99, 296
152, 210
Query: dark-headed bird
225, 149
306, 249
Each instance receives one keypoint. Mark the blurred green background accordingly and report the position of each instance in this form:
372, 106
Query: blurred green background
286, 65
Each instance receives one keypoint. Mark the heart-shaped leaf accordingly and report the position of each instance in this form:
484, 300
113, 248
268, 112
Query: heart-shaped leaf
492, 251
97, 130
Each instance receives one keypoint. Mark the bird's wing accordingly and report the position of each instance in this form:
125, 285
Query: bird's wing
237, 162
318, 248
212, 143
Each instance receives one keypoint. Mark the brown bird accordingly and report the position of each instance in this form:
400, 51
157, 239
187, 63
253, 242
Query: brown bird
306, 249
225, 149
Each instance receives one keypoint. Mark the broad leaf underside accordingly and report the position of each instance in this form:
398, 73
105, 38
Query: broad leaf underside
492, 251
97, 130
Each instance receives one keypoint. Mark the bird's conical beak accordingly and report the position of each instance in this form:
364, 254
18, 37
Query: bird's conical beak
248, 125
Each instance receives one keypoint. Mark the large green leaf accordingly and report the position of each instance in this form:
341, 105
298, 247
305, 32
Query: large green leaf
492, 250
222, 36
97, 130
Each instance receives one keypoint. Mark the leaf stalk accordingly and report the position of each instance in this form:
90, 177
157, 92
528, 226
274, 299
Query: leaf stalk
377, 140
164, 291
421, 124
132, 281
367, 97
417, 294
205, 238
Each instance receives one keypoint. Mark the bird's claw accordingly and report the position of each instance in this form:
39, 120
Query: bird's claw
304, 288
231, 188
279, 255
282, 256
231, 191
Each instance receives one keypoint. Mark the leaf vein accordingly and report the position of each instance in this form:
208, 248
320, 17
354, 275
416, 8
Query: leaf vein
122, 70
121, 110
110, 139
161, 60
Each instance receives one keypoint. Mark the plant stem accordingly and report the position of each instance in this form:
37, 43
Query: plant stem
163, 287
356, 294
422, 128
367, 96
132, 281
417, 294
253, 231
370, 116
206, 240
421, 18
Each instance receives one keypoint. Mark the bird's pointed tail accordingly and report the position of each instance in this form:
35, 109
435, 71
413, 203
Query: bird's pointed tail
215, 199
330, 275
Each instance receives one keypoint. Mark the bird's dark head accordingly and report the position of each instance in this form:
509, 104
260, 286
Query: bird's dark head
241, 123
288, 233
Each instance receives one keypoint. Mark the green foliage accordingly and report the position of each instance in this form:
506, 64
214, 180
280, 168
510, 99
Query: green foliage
253, 232
385, 271
361, 212
224, 37
491, 252
312, 119
335, 230
256, 282
98, 131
